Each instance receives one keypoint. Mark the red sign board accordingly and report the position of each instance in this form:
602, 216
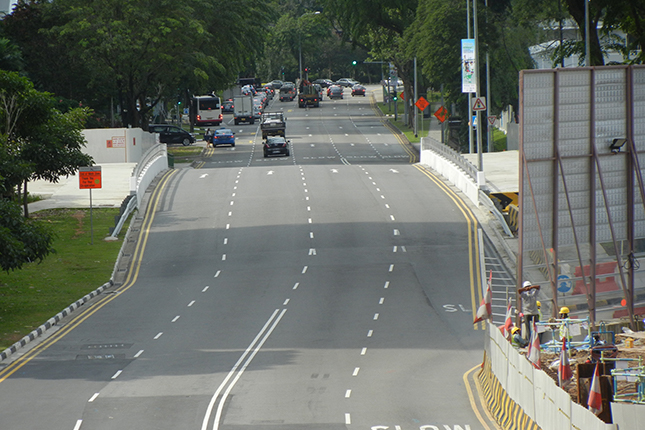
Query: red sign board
422, 103
441, 114
89, 177
402, 95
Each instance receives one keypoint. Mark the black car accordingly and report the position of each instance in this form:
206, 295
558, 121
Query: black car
358, 90
276, 145
227, 106
172, 134
323, 82
335, 92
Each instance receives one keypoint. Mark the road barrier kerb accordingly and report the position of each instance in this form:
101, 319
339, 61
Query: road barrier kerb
52, 322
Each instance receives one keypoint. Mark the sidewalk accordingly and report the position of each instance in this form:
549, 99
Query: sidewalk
115, 186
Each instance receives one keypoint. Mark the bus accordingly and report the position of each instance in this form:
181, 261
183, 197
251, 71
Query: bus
208, 110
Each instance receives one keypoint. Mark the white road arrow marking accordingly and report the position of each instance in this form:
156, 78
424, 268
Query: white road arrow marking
270, 172
394, 171
203, 176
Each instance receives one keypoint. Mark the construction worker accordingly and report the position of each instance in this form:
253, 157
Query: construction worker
564, 327
528, 294
517, 339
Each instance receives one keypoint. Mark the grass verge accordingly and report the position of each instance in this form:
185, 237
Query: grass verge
424, 123
37, 292
185, 154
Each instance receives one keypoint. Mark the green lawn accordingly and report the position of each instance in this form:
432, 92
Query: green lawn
37, 292
424, 123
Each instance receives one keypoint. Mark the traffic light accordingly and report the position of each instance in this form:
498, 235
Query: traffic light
395, 97
354, 63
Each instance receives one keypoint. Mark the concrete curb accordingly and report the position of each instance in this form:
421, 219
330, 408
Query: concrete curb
52, 321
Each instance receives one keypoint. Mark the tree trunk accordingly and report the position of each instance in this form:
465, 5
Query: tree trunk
25, 205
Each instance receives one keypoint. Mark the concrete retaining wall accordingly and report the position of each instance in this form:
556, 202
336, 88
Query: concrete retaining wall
118, 145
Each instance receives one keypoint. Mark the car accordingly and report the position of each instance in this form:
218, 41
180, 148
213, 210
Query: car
346, 82
276, 145
320, 90
323, 82
223, 136
358, 90
172, 134
276, 84
228, 106
335, 92
257, 111
248, 90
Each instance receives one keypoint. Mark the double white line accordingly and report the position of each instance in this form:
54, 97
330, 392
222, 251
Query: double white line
237, 371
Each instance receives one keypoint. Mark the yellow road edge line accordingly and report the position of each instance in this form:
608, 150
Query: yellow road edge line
472, 225
471, 398
76, 321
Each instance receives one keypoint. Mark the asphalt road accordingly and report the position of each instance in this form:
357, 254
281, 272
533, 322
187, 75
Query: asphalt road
331, 289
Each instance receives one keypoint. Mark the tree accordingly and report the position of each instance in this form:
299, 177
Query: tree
38, 141
21, 240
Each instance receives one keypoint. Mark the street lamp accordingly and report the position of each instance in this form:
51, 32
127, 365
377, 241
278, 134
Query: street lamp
300, 41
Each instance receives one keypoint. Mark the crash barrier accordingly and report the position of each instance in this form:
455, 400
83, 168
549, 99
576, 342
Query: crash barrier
154, 161
452, 166
461, 173
531, 389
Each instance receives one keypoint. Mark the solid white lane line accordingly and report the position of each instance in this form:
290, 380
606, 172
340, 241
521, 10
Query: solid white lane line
138, 354
78, 424
251, 351
387, 284
175, 319
356, 370
217, 273
348, 393
205, 289
116, 375
295, 286
158, 335
93, 397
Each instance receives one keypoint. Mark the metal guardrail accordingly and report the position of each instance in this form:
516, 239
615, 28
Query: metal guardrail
452, 155
132, 205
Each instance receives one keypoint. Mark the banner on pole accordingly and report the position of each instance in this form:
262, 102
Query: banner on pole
468, 66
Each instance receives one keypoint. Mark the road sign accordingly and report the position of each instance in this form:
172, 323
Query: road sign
89, 177
402, 95
422, 103
564, 283
479, 103
491, 120
441, 114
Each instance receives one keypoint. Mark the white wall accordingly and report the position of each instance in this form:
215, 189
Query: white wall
118, 145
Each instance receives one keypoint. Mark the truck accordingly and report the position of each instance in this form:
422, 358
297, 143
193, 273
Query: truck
308, 95
243, 110
273, 124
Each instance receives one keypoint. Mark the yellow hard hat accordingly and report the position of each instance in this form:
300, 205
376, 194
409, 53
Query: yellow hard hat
539, 305
515, 330
564, 310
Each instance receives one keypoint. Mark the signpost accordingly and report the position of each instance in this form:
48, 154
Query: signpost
88, 178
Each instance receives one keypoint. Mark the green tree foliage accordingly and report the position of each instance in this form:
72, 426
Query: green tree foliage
36, 142
21, 240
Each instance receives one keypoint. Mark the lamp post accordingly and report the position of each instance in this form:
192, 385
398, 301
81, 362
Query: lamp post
300, 41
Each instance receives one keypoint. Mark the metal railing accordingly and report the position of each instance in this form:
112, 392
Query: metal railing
451, 155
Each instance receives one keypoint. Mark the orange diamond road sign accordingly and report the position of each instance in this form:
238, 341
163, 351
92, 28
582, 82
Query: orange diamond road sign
89, 177
402, 95
422, 103
441, 114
